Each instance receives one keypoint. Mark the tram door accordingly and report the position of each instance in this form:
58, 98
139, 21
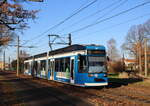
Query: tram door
52, 65
72, 70
35, 68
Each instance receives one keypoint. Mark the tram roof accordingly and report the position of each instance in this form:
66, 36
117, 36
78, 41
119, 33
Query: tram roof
71, 48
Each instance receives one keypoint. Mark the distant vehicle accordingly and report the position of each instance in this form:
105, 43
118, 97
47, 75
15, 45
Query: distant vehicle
81, 65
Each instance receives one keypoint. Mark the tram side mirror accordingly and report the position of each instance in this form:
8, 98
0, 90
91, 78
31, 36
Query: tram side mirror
108, 59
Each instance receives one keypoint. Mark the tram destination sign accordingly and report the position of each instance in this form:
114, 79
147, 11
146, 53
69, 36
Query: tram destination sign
96, 52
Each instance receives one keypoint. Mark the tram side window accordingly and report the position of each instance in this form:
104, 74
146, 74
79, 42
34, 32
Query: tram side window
35, 65
43, 65
67, 64
82, 63
57, 65
62, 64
49, 65
38, 67
26, 66
52, 65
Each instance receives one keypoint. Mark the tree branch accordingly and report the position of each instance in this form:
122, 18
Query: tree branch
7, 25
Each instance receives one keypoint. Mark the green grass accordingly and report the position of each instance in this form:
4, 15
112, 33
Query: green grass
124, 80
144, 83
113, 76
148, 76
115, 79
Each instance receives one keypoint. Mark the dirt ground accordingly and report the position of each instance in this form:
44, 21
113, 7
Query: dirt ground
25, 91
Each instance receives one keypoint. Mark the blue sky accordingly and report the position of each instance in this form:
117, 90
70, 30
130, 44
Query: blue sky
54, 11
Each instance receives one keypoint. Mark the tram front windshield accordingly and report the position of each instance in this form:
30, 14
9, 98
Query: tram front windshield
96, 64
92, 64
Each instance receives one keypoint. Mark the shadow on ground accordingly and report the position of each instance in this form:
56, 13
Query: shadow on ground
117, 82
29, 93
41, 96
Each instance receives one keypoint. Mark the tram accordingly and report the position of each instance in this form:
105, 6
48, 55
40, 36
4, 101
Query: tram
81, 65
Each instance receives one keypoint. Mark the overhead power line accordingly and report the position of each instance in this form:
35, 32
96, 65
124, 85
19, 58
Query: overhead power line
116, 25
103, 20
63, 21
116, 7
93, 14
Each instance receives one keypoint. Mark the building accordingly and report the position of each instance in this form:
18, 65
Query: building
130, 64
2, 65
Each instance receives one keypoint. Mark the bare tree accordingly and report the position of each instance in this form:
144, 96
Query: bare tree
112, 52
23, 54
13, 17
134, 41
135, 37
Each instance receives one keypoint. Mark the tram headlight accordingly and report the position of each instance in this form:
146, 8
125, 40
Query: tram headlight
105, 75
96, 75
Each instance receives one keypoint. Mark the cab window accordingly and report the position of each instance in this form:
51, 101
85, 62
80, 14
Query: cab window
82, 64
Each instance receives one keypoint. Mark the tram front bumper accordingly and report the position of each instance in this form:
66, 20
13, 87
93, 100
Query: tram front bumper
96, 84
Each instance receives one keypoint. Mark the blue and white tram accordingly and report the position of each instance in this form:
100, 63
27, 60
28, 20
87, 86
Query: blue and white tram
82, 65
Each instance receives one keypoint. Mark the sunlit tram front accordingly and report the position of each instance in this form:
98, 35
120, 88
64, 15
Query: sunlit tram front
92, 67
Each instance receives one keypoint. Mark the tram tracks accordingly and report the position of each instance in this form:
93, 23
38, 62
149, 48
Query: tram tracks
31, 92
112, 95
123, 95
103, 95
127, 97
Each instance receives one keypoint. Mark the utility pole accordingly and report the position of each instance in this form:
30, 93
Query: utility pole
139, 56
123, 64
17, 56
140, 59
70, 40
50, 44
4, 61
145, 44
9, 63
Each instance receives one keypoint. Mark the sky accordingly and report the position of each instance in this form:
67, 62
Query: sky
51, 12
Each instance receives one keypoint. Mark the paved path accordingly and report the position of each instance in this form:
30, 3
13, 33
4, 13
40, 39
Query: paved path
15, 91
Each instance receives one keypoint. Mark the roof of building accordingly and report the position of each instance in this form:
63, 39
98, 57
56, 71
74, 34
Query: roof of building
130, 60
